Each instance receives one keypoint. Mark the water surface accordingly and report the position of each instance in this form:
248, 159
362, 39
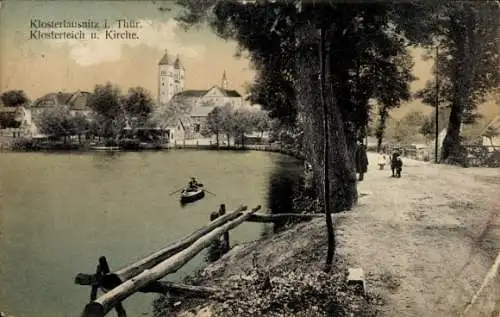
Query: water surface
60, 212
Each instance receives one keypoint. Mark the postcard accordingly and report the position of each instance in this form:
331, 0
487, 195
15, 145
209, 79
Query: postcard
249, 158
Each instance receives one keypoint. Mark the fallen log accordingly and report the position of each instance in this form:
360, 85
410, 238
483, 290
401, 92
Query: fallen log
178, 289
278, 217
106, 302
112, 280
161, 287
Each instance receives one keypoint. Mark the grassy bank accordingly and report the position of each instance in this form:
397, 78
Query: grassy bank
278, 275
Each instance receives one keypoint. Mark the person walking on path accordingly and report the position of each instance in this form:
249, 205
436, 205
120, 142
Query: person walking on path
382, 160
361, 160
398, 165
393, 163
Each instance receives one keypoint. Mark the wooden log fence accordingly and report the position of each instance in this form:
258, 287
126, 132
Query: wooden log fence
144, 275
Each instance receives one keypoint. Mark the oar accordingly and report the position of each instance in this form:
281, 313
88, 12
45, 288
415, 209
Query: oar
209, 192
178, 190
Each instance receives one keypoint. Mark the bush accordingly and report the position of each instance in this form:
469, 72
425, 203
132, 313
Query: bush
23, 144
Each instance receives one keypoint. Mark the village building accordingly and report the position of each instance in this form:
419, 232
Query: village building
16, 121
200, 102
76, 101
490, 134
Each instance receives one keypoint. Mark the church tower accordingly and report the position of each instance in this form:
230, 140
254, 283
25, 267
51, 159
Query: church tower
179, 73
170, 79
224, 83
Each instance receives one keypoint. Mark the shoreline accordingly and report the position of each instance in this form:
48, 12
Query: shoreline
285, 150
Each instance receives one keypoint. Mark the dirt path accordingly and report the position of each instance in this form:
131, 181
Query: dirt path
427, 240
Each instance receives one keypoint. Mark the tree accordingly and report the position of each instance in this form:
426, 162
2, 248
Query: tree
428, 126
383, 114
261, 121
138, 105
169, 115
14, 98
214, 124
106, 104
360, 52
79, 125
241, 123
467, 37
227, 115
56, 122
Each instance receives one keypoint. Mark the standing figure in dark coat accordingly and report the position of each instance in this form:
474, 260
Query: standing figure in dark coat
393, 162
361, 160
398, 165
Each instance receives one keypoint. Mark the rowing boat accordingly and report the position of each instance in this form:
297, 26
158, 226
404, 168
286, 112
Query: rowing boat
191, 195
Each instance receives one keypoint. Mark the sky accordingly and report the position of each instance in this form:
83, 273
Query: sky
41, 66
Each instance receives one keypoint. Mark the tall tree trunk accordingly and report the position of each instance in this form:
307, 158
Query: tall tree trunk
342, 137
326, 160
462, 34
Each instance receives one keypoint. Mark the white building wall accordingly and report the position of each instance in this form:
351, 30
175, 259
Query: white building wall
166, 83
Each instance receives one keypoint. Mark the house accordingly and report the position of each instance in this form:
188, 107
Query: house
176, 132
202, 102
76, 101
490, 134
17, 118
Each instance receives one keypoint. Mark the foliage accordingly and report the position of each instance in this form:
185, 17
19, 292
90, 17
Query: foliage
109, 115
169, 115
138, 105
23, 144
428, 127
261, 121
409, 127
235, 122
9, 120
215, 123
289, 293
241, 123
14, 98
467, 36
282, 41
57, 122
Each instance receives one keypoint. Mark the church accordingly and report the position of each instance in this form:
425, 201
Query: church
201, 102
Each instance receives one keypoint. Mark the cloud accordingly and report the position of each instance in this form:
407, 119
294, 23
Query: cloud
153, 34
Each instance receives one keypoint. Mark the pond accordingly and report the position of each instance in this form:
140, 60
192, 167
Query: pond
59, 212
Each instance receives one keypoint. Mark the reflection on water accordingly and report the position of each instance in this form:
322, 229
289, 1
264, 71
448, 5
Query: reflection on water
60, 212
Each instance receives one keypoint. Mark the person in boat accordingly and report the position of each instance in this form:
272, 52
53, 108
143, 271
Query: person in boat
193, 184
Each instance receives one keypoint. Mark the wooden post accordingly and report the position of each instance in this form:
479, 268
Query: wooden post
105, 303
225, 242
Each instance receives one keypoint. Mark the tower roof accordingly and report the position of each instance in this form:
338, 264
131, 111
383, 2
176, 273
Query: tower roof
164, 60
178, 64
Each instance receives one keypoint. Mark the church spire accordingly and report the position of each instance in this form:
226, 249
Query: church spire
164, 60
224, 82
177, 63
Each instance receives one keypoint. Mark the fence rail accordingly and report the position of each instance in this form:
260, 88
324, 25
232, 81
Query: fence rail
144, 275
